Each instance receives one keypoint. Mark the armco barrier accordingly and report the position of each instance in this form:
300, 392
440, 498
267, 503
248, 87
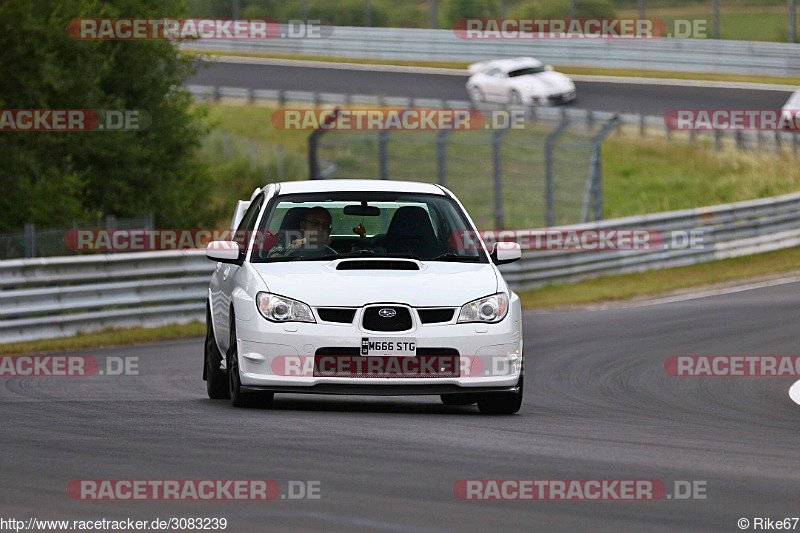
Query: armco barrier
693, 55
61, 296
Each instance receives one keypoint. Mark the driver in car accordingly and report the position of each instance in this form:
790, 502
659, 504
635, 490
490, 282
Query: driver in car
316, 228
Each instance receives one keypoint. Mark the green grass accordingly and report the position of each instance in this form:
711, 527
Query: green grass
109, 337
660, 282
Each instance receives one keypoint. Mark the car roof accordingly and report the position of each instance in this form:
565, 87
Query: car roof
507, 65
346, 185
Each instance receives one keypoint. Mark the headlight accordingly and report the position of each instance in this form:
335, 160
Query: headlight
489, 309
280, 309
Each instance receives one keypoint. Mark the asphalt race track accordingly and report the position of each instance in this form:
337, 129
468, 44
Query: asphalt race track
598, 405
618, 97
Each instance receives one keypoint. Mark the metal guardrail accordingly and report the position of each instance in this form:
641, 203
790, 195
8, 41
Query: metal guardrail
61, 296
693, 55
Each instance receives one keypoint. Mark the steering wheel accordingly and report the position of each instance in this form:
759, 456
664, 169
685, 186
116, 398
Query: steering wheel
310, 252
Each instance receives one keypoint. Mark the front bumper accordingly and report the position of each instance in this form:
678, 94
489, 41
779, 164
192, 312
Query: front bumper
491, 356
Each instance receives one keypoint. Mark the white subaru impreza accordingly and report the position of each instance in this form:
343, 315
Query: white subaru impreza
361, 287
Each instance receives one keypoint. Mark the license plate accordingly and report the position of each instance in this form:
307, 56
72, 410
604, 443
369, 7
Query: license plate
388, 346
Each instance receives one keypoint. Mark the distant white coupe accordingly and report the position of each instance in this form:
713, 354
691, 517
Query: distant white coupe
793, 103
518, 81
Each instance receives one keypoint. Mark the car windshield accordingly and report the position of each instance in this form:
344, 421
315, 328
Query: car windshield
525, 71
325, 226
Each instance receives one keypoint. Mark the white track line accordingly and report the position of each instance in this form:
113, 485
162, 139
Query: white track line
694, 295
460, 72
794, 393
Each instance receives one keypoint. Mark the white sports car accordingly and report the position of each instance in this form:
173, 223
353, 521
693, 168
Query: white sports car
361, 287
518, 81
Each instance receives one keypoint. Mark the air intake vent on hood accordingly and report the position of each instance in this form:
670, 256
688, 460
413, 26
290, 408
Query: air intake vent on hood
377, 265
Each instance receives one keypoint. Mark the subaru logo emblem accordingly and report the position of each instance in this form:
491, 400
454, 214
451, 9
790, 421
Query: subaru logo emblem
387, 313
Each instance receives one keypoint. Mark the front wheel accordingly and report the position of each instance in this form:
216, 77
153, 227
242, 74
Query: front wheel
239, 398
216, 380
503, 403
514, 98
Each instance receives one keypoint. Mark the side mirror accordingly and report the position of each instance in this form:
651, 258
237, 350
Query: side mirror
548, 68
506, 252
224, 252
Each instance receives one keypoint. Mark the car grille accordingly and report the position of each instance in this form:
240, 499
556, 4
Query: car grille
339, 315
372, 320
449, 357
434, 316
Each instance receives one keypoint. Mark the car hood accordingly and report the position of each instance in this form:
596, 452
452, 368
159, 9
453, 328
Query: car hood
318, 283
548, 82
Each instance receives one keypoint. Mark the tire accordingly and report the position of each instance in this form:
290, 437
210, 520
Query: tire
239, 398
216, 379
459, 399
514, 98
476, 95
503, 403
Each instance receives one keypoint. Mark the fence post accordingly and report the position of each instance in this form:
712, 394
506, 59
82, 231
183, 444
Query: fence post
717, 140
383, 165
497, 165
111, 222
441, 156
594, 185
549, 185
151, 220
641, 125
313, 145
30, 240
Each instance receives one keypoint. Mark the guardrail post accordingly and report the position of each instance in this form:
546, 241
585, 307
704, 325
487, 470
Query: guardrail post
739, 140
441, 156
383, 164
794, 142
251, 95
549, 185
641, 125
497, 166
281, 98
594, 185
717, 140
30, 240
313, 145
